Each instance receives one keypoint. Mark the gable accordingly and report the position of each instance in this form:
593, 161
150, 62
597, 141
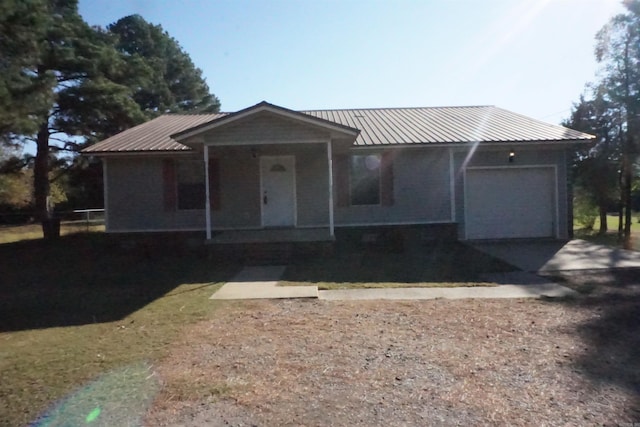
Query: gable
264, 128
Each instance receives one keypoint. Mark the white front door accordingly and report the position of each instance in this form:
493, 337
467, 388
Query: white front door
278, 191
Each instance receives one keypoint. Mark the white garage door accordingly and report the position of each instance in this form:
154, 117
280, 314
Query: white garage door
510, 203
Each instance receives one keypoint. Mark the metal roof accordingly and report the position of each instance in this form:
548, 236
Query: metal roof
378, 126
441, 125
151, 136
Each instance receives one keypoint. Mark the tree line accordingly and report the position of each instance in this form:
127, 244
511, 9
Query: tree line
65, 84
606, 174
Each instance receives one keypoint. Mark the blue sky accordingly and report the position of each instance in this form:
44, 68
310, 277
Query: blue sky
530, 56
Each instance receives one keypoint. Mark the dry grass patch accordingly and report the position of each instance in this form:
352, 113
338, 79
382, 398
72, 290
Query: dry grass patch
469, 362
380, 285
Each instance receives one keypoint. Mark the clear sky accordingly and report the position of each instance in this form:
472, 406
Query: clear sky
529, 56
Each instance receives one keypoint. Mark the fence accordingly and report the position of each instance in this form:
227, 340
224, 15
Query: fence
79, 217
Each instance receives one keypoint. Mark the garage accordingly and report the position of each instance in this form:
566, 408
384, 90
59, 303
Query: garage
510, 202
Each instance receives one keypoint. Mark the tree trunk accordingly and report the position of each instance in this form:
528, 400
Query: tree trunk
626, 201
603, 220
41, 175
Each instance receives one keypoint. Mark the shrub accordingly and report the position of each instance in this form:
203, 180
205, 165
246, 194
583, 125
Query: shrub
585, 211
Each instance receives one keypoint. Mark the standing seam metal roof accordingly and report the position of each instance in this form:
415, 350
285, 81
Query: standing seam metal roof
378, 126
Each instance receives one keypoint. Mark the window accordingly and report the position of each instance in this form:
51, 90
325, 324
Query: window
191, 187
365, 179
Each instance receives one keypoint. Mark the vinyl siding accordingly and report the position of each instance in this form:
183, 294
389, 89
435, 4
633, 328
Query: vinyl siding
421, 191
136, 198
265, 128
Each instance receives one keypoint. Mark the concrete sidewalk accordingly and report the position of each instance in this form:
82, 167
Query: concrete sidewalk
551, 290
262, 283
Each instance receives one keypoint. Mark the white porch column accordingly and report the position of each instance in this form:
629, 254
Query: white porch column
330, 164
207, 205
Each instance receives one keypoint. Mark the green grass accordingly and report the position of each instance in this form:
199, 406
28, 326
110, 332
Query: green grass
449, 264
17, 233
611, 237
83, 306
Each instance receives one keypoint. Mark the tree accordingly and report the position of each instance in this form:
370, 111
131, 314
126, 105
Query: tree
64, 84
172, 83
22, 27
618, 50
595, 168
68, 68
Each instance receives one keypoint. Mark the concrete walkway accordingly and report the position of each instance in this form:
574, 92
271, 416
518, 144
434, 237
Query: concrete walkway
262, 283
546, 257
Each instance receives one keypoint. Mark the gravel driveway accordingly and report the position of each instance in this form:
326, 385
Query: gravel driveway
441, 362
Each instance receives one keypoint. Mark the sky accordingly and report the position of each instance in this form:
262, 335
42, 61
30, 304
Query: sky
533, 57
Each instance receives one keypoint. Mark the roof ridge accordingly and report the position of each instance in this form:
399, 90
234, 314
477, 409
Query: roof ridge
399, 108
191, 114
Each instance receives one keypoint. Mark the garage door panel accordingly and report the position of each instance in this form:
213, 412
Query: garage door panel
510, 203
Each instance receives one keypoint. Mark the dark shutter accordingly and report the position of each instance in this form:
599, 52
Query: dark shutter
386, 179
169, 184
341, 169
214, 183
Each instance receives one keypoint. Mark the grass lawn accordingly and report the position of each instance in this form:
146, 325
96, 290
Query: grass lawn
445, 264
16, 233
611, 237
91, 314
82, 306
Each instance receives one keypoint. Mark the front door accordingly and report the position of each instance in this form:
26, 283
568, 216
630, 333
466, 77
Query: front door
278, 191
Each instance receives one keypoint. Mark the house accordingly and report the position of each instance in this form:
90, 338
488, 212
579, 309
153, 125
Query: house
487, 172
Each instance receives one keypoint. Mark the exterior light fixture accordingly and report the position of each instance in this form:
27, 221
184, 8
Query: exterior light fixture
512, 156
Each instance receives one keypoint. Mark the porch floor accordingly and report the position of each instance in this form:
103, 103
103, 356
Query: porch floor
272, 235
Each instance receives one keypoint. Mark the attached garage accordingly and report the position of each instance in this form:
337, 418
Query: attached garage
510, 202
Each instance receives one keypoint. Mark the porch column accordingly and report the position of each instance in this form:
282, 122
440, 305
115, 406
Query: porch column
330, 164
207, 205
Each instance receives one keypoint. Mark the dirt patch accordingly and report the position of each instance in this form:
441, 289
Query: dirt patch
437, 362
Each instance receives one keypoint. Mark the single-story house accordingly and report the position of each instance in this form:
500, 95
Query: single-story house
488, 172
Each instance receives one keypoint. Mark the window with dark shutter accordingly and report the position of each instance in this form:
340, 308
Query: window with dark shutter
341, 175
214, 184
191, 186
365, 179
169, 184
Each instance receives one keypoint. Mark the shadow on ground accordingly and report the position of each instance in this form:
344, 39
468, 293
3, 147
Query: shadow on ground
389, 262
93, 278
611, 334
